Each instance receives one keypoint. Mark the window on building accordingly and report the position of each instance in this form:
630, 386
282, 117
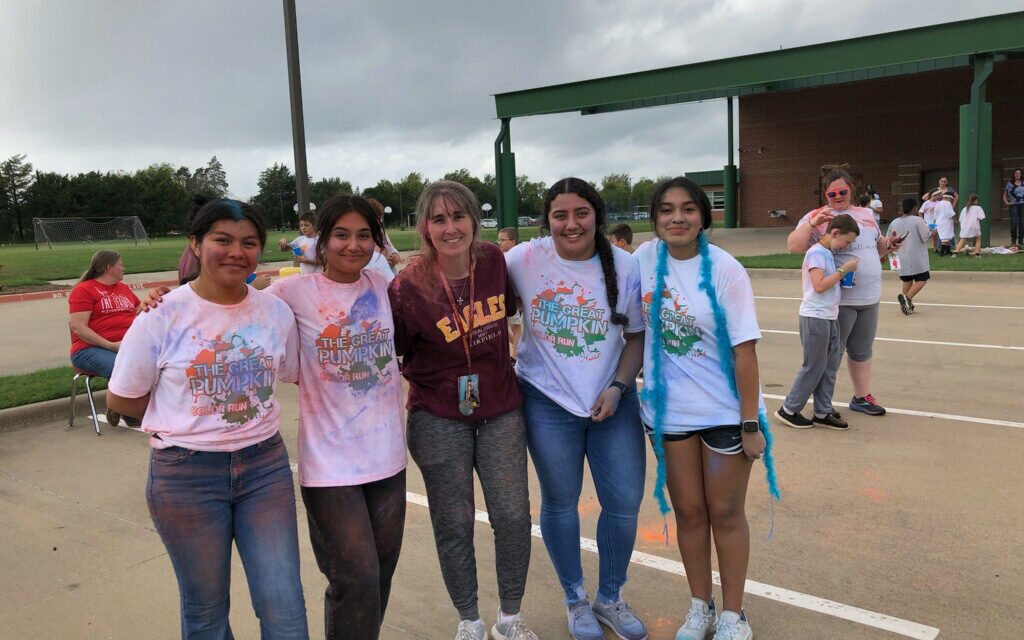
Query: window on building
717, 199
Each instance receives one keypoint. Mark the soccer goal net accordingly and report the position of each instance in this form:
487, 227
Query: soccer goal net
51, 231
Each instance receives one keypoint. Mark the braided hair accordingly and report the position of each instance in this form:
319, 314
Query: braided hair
602, 246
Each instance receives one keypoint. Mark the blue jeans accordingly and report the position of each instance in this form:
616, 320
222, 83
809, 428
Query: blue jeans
1017, 224
200, 501
558, 443
95, 360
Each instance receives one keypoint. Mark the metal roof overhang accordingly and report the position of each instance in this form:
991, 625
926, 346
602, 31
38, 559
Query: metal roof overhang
931, 48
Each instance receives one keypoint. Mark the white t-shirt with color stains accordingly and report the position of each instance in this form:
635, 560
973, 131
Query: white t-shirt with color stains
212, 370
570, 348
351, 428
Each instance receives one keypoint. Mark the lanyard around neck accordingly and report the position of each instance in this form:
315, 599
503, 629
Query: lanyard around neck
466, 331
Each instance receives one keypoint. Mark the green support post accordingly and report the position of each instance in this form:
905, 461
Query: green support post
976, 144
729, 178
505, 177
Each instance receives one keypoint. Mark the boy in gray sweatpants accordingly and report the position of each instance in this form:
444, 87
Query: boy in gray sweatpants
819, 328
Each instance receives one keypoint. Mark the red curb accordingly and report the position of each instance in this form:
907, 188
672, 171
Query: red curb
64, 293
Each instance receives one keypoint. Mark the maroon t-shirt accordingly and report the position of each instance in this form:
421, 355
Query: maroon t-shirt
428, 337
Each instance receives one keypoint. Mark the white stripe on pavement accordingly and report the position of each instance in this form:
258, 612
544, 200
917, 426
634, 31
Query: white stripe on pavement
927, 414
916, 304
778, 594
933, 342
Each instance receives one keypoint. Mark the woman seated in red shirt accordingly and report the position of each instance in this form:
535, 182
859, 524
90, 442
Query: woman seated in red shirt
102, 308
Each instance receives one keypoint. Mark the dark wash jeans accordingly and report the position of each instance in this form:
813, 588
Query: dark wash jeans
200, 502
356, 532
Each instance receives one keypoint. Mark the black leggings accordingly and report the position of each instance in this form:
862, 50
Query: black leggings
357, 535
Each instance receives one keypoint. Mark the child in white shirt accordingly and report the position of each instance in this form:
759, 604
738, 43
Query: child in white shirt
819, 328
970, 226
303, 246
945, 221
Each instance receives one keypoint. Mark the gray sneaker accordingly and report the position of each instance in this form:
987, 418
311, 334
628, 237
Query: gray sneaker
733, 626
471, 630
514, 629
700, 622
582, 623
618, 617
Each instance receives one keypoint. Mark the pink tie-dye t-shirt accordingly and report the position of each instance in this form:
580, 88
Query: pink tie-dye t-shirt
212, 369
351, 428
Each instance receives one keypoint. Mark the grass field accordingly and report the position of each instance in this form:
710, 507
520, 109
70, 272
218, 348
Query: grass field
963, 263
45, 384
23, 265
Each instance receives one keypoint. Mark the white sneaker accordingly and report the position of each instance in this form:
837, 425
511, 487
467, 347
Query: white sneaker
471, 630
700, 621
514, 629
733, 626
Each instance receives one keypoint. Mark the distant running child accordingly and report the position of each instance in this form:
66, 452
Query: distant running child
912, 254
303, 246
819, 328
970, 226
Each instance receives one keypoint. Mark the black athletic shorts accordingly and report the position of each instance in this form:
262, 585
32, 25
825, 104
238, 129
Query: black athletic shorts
725, 439
917, 277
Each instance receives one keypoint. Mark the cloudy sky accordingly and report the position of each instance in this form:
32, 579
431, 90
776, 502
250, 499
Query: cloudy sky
389, 86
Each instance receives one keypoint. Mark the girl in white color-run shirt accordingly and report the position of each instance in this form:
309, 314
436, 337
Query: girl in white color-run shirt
351, 432
705, 426
202, 373
581, 349
970, 225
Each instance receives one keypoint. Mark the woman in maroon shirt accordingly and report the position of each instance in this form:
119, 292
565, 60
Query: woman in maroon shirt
464, 402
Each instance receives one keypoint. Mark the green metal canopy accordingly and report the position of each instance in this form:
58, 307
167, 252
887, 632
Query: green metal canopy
979, 42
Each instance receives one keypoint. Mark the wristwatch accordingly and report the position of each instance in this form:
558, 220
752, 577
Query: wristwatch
618, 385
750, 426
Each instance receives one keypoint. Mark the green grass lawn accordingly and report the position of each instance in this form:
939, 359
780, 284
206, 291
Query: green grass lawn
23, 265
963, 263
45, 384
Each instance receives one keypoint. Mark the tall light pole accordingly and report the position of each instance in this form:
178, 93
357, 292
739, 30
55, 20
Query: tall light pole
387, 212
291, 38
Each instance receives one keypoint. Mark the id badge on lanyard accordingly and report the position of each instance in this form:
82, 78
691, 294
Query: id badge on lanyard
469, 384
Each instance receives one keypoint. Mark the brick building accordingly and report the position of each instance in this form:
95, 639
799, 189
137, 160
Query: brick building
899, 133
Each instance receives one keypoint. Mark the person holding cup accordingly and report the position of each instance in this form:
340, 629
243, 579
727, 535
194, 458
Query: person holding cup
819, 327
858, 304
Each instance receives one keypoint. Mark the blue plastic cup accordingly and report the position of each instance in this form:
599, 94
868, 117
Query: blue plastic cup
847, 280
252, 276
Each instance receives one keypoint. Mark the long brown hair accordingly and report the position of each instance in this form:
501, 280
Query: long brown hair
458, 195
101, 260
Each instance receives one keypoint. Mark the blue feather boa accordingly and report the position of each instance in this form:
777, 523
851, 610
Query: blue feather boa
655, 393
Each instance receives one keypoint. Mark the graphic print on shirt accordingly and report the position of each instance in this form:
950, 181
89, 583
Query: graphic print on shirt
486, 313
354, 349
680, 335
111, 302
568, 316
231, 377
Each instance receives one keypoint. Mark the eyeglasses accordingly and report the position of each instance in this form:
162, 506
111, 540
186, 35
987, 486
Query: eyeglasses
833, 194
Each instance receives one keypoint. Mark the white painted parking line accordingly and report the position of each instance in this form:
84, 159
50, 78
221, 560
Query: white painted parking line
916, 304
785, 596
927, 414
933, 342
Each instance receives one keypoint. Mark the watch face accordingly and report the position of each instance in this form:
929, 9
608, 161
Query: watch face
751, 426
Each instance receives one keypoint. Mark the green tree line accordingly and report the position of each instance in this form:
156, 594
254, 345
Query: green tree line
161, 194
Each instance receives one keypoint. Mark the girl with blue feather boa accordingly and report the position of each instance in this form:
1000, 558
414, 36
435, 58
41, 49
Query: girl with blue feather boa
702, 404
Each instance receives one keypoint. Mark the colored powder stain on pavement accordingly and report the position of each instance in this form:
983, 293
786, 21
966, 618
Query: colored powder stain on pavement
874, 494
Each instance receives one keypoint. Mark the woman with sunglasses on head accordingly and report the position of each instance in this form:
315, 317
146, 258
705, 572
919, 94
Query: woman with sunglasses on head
702, 404
202, 372
858, 304
450, 310
581, 349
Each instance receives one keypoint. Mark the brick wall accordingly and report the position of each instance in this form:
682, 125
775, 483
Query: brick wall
891, 131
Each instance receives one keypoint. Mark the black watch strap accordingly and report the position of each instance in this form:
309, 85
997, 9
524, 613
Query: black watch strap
750, 426
618, 385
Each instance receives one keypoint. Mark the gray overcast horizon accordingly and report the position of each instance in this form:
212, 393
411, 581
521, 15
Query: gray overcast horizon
388, 87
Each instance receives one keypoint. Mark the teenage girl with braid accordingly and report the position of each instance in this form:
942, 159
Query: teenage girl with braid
581, 349
700, 338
